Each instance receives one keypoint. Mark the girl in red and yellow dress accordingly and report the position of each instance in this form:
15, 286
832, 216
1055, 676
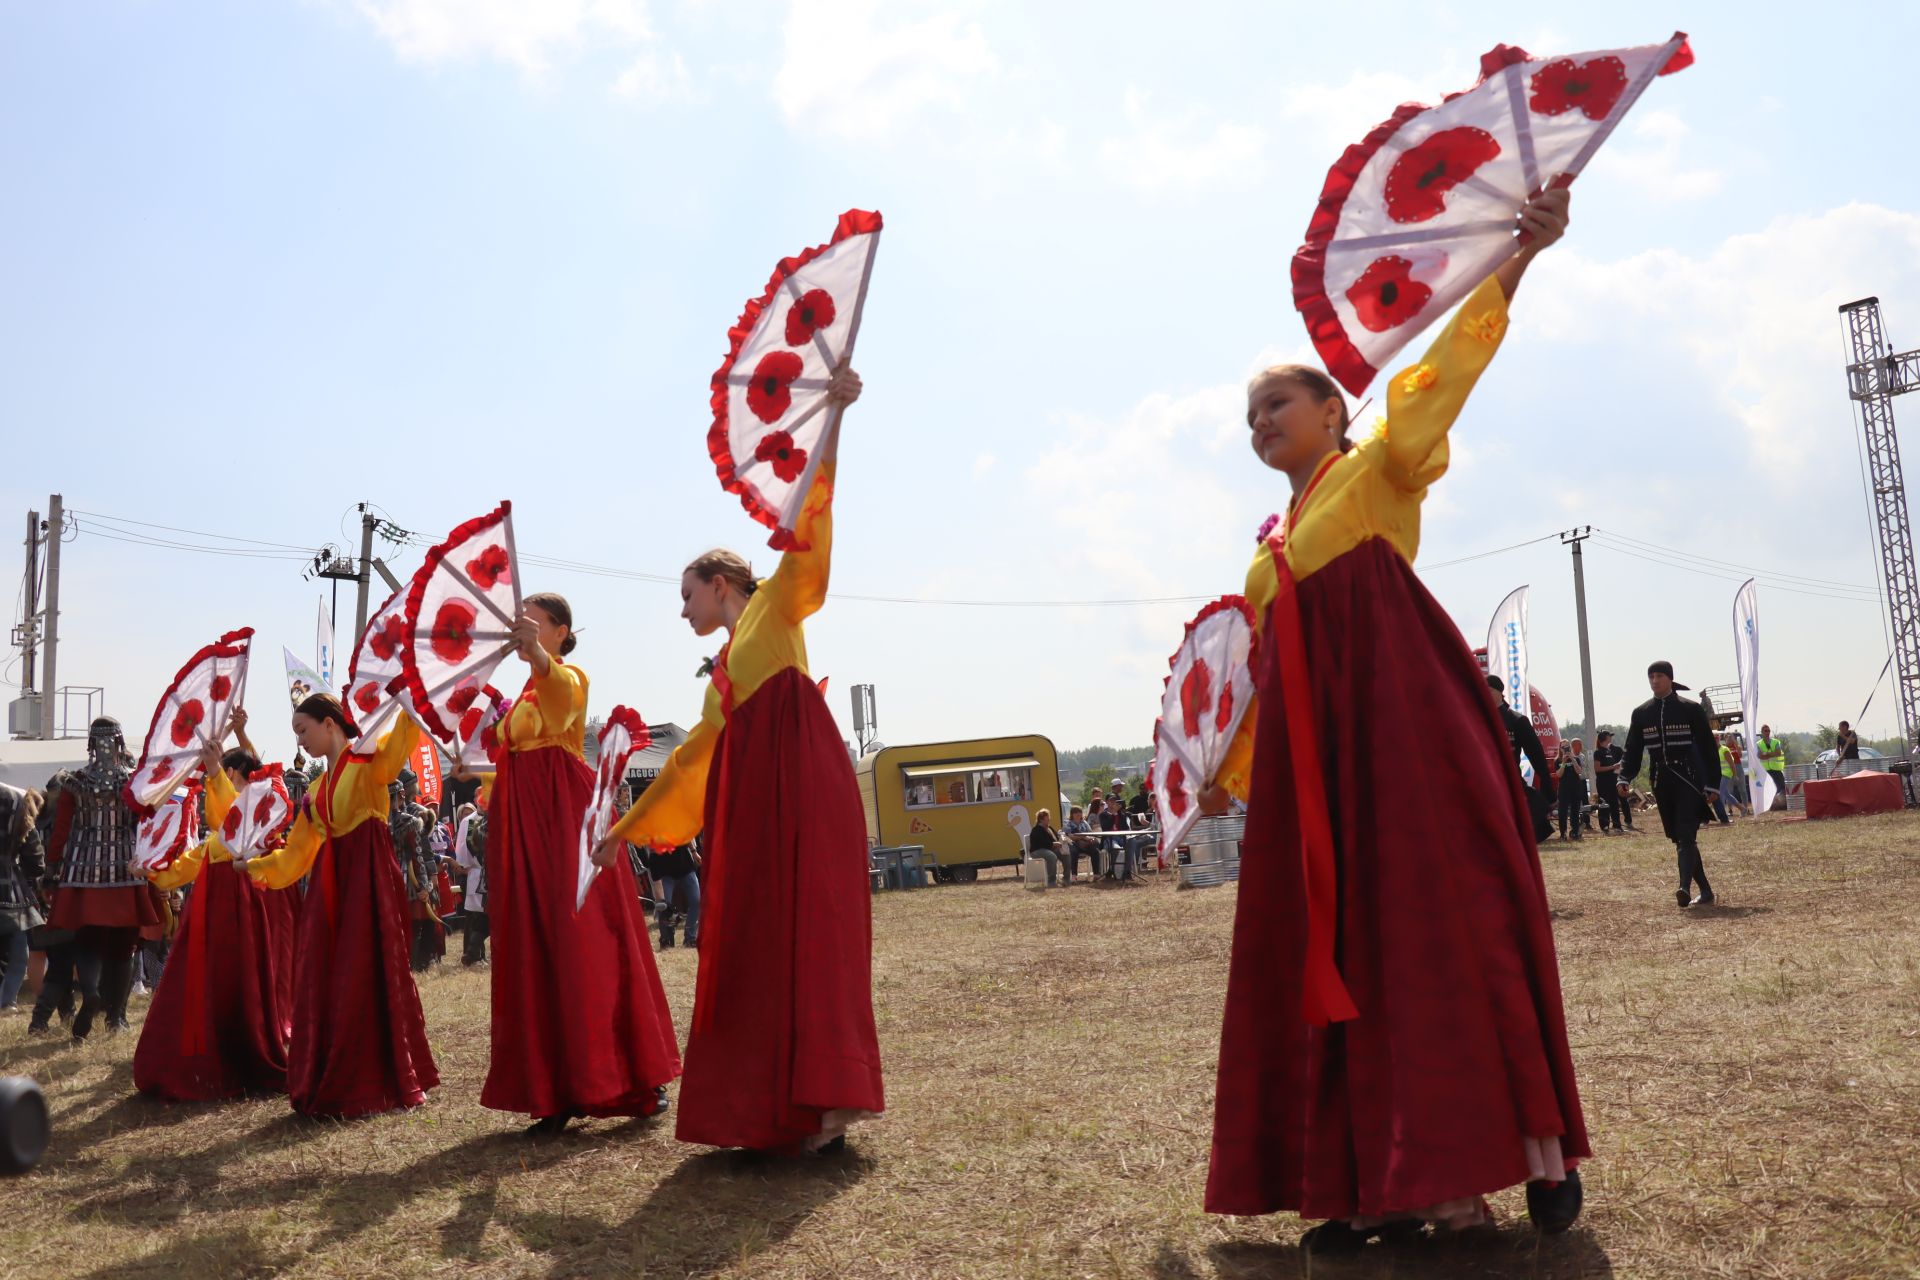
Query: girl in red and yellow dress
359, 1040
580, 1020
221, 1016
1393, 1046
782, 1053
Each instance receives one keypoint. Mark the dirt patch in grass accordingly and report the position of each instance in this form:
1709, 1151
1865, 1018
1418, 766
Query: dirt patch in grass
1750, 1074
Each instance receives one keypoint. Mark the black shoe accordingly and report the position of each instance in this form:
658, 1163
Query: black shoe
1333, 1239
833, 1146
1554, 1206
660, 1103
1704, 900
552, 1126
1402, 1231
1682, 897
38, 1028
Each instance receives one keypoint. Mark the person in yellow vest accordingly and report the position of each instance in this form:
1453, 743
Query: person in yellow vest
1773, 758
1729, 770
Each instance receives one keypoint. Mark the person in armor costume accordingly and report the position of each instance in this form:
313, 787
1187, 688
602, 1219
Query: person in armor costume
55, 946
20, 870
100, 896
1677, 741
410, 851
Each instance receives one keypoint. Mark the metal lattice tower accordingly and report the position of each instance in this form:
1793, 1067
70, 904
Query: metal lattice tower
1875, 375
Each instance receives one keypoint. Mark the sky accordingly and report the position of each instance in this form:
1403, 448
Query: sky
264, 260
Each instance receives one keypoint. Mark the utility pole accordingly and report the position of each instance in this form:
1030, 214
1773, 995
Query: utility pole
30, 614
49, 682
1573, 538
368, 523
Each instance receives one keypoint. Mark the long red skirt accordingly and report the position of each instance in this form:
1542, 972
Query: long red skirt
359, 1040
580, 1020
117, 907
220, 1019
783, 1006
1460, 1050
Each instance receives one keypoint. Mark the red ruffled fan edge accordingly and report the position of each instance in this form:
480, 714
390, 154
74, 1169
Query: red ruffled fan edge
409, 669
1208, 610
854, 222
231, 645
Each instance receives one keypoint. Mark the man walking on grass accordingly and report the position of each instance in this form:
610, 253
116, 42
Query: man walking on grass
1673, 734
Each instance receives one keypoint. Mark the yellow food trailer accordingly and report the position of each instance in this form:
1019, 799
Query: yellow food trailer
966, 803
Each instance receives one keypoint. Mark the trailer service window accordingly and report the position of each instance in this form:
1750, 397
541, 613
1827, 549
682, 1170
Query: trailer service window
975, 782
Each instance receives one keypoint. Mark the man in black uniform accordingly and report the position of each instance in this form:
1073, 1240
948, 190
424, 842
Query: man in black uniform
1524, 741
1674, 735
1613, 807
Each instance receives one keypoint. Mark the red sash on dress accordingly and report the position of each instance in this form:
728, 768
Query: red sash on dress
1324, 996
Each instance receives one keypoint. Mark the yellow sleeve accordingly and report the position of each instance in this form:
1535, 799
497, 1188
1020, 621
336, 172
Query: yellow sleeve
562, 694
220, 798
799, 585
187, 865
1236, 771
285, 865
1424, 399
391, 756
673, 810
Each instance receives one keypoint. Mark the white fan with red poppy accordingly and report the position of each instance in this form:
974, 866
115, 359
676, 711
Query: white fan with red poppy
1209, 688
374, 680
1422, 210
171, 828
477, 740
193, 714
623, 734
771, 422
261, 813
458, 620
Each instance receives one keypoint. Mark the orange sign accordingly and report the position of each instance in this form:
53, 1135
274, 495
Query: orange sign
426, 766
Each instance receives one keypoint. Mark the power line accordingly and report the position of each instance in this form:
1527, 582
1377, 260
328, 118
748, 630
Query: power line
1771, 585
171, 545
198, 533
1729, 564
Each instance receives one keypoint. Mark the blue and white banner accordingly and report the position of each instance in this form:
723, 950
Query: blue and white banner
323, 646
1746, 658
1507, 656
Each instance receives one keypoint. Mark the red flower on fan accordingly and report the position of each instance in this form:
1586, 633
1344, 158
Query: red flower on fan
470, 722
489, 568
1565, 85
186, 720
162, 771
1386, 295
1419, 180
386, 641
231, 827
770, 393
462, 697
812, 313
452, 635
1177, 789
222, 686
1223, 714
787, 458
263, 812
1196, 695
367, 697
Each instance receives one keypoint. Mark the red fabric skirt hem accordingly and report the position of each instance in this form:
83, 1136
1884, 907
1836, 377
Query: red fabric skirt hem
1444, 941
783, 1029
580, 1019
220, 1019
120, 907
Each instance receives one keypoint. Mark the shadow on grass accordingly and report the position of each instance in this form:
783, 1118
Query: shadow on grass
1509, 1253
159, 1187
714, 1211
230, 1253
1715, 911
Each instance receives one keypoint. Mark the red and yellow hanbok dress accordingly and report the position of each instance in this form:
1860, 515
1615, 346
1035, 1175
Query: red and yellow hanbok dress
359, 1041
782, 1048
221, 1016
1393, 1041
580, 1020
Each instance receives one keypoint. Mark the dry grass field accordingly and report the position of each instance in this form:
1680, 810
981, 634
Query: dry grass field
1751, 1075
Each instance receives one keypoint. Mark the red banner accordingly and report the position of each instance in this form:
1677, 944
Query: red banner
426, 766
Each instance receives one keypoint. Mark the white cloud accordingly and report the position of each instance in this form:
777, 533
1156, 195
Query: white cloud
1663, 168
1334, 117
1754, 318
848, 72
1182, 150
982, 464
525, 33
653, 78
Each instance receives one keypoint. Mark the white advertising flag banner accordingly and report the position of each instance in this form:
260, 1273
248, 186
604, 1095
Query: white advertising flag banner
1746, 657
